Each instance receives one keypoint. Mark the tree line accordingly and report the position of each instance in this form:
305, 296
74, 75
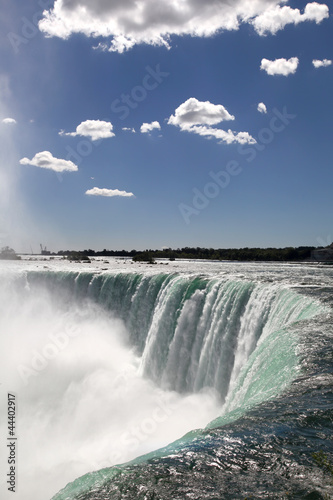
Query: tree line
235, 254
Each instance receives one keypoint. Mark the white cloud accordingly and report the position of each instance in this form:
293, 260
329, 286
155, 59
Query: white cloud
197, 117
131, 22
228, 137
9, 120
45, 159
194, 112
276, 18
281, 66
262, 108
316, 12
129, 129
148, 127
107, 192
321, 63
95, 129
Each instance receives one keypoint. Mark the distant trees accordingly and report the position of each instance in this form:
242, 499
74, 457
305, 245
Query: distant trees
78, 257
288, 254
235, 254
144, 257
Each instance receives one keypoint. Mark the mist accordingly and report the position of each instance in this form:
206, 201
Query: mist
82, 404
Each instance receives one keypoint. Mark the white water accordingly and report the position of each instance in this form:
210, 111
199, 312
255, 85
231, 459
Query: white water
87, 400
81, 403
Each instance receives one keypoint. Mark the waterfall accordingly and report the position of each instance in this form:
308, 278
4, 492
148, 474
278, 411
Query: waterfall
152, 356
191, 332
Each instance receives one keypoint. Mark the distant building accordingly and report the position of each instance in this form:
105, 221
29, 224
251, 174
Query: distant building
323, 254
44, 251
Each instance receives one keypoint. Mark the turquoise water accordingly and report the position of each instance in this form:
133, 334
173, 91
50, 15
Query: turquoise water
247, 343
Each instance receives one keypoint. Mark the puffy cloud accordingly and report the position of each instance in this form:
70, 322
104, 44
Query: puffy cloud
95, 129
45, 159
321, 63
107, 192
148, 127
9, 121
194, 112
281, 66
262, 107
131, 22
316, 12
129, 129
276, 18
197, 117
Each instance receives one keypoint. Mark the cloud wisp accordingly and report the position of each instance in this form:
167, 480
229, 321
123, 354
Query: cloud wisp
321, 63
198, 117
46, 160
281, 66
262, 108
108, 192
130, 22
95, 129
129, 129
146, 128
9, 121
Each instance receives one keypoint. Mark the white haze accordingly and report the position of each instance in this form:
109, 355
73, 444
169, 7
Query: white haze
82, 406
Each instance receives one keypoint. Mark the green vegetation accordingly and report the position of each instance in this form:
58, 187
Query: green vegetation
8, 253
144, 257
77, 257
289, 254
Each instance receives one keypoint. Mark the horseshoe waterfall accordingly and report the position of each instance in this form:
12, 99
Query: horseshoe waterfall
183, 380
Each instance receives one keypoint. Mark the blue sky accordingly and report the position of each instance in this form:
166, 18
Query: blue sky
205, 166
